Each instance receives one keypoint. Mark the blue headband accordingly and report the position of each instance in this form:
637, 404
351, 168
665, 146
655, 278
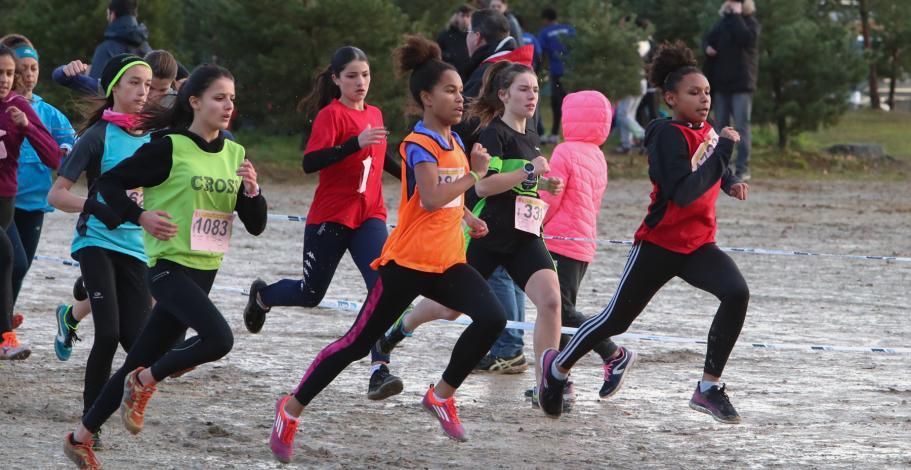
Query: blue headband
25, 51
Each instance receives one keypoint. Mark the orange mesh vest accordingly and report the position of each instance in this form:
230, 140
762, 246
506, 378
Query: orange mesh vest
429, 241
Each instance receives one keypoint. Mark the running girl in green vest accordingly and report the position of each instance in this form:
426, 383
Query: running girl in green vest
193, 181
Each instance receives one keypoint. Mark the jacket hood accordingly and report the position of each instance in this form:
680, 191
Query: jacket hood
127, 30
653, 128
523, 55
587, 117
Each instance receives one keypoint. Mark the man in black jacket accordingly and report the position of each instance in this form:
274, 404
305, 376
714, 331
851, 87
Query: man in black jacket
124, 34
452, 40
732, 65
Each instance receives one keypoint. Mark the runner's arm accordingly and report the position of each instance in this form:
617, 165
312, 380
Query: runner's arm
148, 167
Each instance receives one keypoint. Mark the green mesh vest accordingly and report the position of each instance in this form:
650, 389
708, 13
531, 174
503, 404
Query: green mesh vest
198, 181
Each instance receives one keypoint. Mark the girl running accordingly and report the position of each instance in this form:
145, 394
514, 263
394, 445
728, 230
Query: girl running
435, 176
112, 260
688, 165
34, 176
510, 205
578, 160
18, 121
164, 69
347, 147
192, 180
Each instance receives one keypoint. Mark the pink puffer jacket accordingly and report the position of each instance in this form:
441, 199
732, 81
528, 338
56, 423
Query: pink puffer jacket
580, 162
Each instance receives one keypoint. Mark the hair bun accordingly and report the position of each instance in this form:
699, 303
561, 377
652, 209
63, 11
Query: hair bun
415, 52
669, 58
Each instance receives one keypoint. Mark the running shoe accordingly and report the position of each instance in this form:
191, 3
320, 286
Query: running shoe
383, 384
445, 412
393, 336
550, 389
615, 370
569, 397
133, 404
283, 431
502, 365
66, 335
80, 453
17, 320
254, 314
715, 402
79, 291
11, 349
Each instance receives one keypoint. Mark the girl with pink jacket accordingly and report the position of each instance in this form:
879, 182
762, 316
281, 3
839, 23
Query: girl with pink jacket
574, 214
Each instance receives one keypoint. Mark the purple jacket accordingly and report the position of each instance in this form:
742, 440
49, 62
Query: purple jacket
11, 138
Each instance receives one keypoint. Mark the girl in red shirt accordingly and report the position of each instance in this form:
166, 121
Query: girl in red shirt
689, 165
347, 146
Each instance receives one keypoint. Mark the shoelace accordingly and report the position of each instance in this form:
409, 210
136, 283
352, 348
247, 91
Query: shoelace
724, 395
451, 411
70, 338
88, 455
141, 397
288, 431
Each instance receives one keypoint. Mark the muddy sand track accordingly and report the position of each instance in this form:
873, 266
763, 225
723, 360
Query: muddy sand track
799, 408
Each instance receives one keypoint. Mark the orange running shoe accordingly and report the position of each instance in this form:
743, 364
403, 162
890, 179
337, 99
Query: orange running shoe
445, 412
11, 349
133, 403
80, 453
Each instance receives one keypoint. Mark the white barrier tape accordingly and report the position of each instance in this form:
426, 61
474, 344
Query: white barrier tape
755, 251
350, 306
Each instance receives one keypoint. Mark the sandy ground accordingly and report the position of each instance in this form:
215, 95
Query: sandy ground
818, 409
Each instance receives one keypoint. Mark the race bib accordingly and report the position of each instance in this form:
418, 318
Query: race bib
449, 175
211, 231
368, 163
135, 195
530, 214
2, 145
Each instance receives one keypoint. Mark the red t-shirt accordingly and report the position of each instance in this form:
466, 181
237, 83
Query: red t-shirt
350, 191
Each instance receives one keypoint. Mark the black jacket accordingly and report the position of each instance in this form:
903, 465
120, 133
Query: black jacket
455, 51
123, 35
735, 67
472, 88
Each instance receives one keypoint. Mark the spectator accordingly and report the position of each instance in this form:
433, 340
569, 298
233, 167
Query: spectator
631, 132
124, 35
732, 65
515, 30
452, 40
554, 50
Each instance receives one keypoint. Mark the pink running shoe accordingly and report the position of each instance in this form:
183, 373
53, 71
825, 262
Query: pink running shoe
445, 413
283, 431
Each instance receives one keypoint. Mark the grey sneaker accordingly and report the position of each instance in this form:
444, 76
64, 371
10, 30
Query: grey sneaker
502, 365
715, 402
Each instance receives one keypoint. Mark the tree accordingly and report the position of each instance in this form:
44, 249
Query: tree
893, 40
808, 66
864, 10
603, 54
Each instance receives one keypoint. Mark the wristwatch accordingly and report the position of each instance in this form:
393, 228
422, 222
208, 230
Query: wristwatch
529, 170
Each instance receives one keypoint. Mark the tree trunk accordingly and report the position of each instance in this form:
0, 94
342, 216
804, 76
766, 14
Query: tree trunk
868, 46
893, 77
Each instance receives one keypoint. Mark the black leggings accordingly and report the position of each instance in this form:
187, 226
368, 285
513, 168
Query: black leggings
526, 259
120, 299
460, 288
648, 268
182, 296
557, 93
570, 272
24, 235
7, 207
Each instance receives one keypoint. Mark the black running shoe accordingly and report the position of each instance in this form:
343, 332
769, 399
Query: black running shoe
383, 384
393, 336
79, 292
715, 402
254, 315
502, 365
614, 372
550, 389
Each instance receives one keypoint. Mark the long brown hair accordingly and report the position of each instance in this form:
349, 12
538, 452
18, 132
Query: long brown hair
179, 115
499, 76
324, 89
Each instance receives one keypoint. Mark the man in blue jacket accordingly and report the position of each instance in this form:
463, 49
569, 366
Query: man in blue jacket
124, 34
551, 38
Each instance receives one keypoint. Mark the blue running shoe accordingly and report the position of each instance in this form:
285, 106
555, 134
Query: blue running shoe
63, 342
614, 372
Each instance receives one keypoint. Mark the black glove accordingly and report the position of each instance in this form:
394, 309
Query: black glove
102, 212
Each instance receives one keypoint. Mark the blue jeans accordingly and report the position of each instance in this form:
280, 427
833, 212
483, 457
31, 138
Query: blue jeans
626, 118
512, 298
736, 106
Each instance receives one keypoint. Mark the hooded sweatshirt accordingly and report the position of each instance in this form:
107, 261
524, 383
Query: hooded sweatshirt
124, 35
580, 163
